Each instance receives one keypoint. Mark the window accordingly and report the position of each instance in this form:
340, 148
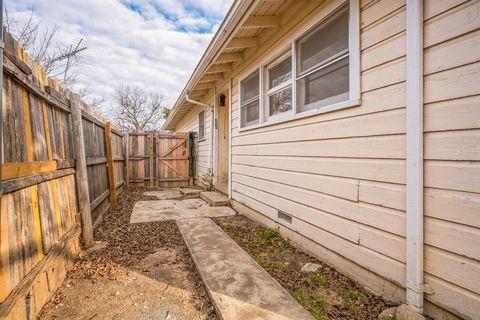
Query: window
279, 89
319, 72
323, 65
250, 100
201, 125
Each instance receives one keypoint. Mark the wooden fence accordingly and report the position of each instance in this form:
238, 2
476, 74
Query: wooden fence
43, 189
159, 159
103, 184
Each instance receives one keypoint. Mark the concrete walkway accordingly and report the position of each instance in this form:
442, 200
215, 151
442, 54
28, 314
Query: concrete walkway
161, 210
239, 287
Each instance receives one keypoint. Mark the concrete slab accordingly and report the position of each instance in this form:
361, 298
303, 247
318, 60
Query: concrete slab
190, 191
164, 194
239, 287
152, 211
216, 199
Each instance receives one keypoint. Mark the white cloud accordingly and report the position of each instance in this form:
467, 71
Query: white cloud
153, 44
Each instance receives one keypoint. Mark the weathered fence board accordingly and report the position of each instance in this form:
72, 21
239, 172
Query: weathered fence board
39, 229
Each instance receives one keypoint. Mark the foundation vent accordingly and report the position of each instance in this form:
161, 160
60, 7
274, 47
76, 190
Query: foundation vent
285, 217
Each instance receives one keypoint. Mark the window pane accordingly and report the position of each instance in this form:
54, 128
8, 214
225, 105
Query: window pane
280, 73
323, 87
323, 43
201, 125
249, 113
250, 87
280, 101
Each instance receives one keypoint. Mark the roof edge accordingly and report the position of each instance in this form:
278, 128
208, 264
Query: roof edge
229, 24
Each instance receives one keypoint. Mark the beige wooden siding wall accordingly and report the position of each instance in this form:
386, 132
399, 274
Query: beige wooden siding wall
342, 174
452, 154
190, 123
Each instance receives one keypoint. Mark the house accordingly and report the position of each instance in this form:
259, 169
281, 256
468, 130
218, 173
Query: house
354, 127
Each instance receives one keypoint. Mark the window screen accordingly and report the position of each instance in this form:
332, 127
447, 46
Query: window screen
279, 75
323, 64
250, 100
201, 125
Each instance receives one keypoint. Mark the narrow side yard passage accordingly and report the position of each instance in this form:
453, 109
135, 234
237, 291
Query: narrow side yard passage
136, 271
145, 265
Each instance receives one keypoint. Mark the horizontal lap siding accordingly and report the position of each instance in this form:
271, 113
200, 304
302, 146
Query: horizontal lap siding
190, 123
452, 154
341, 175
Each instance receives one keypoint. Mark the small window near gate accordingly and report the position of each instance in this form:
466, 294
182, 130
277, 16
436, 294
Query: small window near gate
201, 125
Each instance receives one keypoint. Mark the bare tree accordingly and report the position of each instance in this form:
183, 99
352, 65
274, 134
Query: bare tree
57, 59
136, 109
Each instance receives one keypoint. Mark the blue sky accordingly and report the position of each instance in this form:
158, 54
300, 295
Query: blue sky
154, 44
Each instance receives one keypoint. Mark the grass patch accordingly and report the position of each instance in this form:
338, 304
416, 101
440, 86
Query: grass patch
319, 279
354, 308
266, 263
355, 295
315, 306
268, 236
388, 318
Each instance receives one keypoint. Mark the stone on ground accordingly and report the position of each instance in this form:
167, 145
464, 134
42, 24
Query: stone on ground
239, 287
99, 245
215, 199
406, 312
164, 194
310, 267
161, 210
388, 314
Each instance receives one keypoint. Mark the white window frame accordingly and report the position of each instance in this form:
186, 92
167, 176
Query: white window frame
259, 98
268, 92
354, 69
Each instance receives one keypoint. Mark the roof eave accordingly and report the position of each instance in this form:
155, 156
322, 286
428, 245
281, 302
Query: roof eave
230, 24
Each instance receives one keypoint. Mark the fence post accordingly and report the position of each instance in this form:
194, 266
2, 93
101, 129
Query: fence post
151, 159
111, 177
126, 155
81, 171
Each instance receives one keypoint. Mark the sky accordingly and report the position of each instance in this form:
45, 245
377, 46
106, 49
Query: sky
152, 44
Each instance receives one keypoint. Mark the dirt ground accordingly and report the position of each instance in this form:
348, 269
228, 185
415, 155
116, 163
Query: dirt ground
143, 272
326, 293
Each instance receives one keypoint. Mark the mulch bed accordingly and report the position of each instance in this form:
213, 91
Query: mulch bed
129, 243
326, 293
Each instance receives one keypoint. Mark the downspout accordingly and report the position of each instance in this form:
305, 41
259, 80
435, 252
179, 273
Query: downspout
187, 98
414, 155
1, 97
213, 130
230, 131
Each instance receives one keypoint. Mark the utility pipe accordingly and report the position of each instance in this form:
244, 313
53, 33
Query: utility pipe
213, 129
230, 88
187, 98
414, 155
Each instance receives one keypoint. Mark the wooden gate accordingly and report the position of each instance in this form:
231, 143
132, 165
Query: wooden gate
159, 159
